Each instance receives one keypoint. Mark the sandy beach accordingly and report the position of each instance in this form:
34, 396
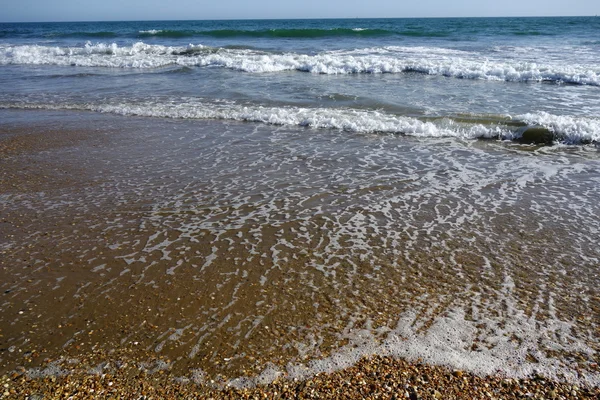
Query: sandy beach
169, 259
375, 378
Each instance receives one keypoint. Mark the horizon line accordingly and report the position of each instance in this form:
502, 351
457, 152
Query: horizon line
285, 19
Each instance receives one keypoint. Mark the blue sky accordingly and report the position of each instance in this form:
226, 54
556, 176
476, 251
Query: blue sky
82, 10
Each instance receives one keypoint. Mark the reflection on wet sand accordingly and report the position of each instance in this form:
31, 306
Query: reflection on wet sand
231, 249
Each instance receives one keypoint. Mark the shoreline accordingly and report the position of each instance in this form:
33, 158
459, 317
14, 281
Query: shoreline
122, 256
371, 377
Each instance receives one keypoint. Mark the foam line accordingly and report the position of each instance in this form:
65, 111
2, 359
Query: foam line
431, 61
567, 129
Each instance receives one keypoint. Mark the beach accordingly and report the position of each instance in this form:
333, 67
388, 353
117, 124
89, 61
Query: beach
139, 244
375, 378
244, 208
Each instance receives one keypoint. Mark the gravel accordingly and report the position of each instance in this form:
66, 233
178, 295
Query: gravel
374, 378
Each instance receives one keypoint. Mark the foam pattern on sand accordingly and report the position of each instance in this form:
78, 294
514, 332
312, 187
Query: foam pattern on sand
234, 245
455, 341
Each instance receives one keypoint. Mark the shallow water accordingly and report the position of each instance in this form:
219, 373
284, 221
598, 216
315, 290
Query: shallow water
235, 248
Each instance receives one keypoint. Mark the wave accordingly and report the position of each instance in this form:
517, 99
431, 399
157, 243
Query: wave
150, 32
292, 33
167, 33
101, 34
270, 33
561, 129
242, 33
432, 34
393, 59
304, 33
532, 33
15, 32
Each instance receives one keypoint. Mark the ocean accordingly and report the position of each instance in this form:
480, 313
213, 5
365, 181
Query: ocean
467, 78
263, 198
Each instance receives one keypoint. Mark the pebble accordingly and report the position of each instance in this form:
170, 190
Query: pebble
375, 377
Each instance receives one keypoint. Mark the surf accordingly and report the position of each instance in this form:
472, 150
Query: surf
388, 60
536, 128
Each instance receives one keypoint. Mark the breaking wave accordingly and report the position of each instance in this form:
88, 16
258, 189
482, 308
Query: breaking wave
431, 61
561, 129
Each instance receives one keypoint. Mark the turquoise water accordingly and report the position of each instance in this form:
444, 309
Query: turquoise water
461, 77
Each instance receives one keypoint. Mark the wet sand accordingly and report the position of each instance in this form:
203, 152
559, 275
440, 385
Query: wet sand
373, 378
214, 253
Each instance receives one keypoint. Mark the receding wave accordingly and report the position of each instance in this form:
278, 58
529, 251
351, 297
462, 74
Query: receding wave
424, 60
541, 127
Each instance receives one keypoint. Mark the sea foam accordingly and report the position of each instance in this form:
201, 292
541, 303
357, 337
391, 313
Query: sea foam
431, 61
448, 342
566, 129
151, 31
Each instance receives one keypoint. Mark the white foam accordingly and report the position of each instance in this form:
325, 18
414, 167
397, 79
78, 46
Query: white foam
151, 31
53, 369
573, 129
569, 129
456, 342
432, 61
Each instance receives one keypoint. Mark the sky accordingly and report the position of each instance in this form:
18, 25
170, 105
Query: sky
119, 10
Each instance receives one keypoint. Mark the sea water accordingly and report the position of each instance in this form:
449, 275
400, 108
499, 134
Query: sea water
293, 195
468, 78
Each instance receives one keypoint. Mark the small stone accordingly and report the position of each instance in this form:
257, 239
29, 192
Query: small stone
412, 395
457, 373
